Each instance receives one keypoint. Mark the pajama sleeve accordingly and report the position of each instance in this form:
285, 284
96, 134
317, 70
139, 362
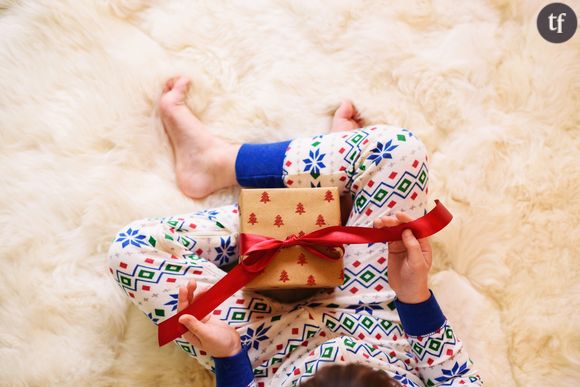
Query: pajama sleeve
441, 358
234, 371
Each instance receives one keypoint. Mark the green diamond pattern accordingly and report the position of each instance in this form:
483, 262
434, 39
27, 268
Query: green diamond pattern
152, 241
386, 324
380, 195
239, 316
159, 313
422, 177
292, 347
316, 143
360, 202
401, 137
349, 343
260, 306
310, 334
357, 138
434, 345
275, 318
367, 322
348, 323
404, 185
327, 353
169, 237
330, 324
125, 280
172, 267
367, 276
448, 333
418, 349
147, 274
185, 348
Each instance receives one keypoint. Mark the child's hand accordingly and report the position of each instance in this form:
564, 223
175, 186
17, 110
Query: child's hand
409, 262
210, 335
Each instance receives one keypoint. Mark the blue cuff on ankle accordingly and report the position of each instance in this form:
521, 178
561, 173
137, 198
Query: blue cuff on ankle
261, 165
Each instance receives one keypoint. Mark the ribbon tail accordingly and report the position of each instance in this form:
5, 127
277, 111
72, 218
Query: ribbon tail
171, 329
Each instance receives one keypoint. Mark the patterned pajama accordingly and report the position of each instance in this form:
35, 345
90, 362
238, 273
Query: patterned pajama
384, 169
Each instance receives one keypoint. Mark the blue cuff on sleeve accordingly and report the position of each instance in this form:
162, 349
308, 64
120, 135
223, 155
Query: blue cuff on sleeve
234, 371
421, 319
261, 165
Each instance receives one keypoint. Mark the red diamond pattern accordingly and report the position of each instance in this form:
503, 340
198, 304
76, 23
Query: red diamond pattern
149, 260
391, 204
146, 287
381, 260
288, 163
393, 175
170, 280
123, 265
415, 163
379, 287
371, 183
289, 181
368, 212
414, 196
341, 150
356, 263
354, 289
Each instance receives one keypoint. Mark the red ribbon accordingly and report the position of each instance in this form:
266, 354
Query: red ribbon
260, 251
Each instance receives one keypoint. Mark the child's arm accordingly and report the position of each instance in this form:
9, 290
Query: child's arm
222, 342
440, 356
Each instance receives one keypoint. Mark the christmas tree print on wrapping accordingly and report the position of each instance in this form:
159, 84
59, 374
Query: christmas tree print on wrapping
253, 219
311, 280
302, 259
300, 208
328, 196
278, 221
284, 276
320, 221
265, 198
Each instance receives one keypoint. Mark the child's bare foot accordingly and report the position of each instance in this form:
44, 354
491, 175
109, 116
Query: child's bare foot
346, 117
203, 163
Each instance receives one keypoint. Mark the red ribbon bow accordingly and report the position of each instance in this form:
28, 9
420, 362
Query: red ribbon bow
261, 250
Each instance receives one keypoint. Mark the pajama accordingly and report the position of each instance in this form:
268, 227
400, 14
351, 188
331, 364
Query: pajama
385, 170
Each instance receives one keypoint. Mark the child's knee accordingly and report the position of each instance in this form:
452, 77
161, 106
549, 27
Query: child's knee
129, 242
399, 148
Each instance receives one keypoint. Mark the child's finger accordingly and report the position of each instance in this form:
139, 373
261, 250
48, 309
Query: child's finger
192, 339
182, 301
424, 242
191, 286
414, 252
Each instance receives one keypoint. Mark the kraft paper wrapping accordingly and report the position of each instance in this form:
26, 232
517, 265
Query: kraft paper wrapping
281, 212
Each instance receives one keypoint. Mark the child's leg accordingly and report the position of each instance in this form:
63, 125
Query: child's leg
151, 258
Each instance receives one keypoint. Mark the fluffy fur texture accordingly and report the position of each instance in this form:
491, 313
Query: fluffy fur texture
83, 153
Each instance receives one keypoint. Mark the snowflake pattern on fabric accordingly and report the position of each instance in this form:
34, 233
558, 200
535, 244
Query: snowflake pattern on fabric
225, 252
382, 152
313, 163
385, 170
131, 237
254, 337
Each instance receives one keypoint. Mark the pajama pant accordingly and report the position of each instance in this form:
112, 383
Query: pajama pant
384, 169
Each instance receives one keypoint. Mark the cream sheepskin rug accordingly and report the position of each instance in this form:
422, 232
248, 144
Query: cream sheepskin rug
83, 153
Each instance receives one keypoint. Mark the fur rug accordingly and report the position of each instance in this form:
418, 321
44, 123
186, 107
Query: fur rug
83, 153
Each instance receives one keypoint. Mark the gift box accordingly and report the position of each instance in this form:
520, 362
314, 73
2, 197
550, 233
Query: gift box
282, 212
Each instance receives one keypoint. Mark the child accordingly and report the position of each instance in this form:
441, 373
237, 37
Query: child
384, 316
